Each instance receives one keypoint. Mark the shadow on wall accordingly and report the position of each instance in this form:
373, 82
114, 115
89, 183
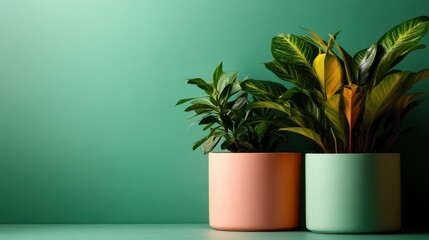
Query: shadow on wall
415, 167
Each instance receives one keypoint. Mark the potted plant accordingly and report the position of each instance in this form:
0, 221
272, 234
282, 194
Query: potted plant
251, 188
351, 107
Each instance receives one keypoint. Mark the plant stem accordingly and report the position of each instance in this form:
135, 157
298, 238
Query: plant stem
335, 140
350, 139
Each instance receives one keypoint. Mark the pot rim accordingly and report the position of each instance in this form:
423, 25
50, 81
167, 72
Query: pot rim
362, 154
255, 153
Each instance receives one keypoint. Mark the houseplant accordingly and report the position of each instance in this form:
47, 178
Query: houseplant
251, 188
351, 107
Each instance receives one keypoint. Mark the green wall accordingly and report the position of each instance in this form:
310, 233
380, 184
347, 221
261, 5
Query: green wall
88, 128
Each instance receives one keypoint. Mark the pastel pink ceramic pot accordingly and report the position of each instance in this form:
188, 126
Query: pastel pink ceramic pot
254, 191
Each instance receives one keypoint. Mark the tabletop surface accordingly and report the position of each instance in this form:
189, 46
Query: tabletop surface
172, 231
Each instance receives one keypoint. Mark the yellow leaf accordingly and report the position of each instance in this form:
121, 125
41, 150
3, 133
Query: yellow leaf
319, 68
352, 97
329, 72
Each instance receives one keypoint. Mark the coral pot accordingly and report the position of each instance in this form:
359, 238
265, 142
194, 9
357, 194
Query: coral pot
254, 191
353, 193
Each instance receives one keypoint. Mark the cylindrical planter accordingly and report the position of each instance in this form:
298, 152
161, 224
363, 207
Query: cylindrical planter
353, 193
254, 191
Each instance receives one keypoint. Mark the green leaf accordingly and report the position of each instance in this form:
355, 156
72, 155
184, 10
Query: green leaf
270, 105
226, 93
181, 101
213, 132
201, 111
366, 63
403, 55
201, 107
406, 33
301, 77
292, 49
303, 121
228, 144
207, 126
227, 122
210, 144
247, 146
405, 104
212, 139
306, 133
294, 56
198, 143
414, 78
203, 100
398, 42
357, 58
261, 129
348, 63
208, 120
217, 74
200, 104
223, 81
290, 93
284, 72
236, 87
331, 42
265, 90
316, 39
381, 98
239, 103
201, 84
226, 80
333, 113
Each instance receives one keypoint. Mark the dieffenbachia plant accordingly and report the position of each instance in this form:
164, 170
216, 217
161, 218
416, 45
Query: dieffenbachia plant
345, 103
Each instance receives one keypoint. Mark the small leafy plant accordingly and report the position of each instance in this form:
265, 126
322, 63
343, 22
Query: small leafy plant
223, 112
345, 103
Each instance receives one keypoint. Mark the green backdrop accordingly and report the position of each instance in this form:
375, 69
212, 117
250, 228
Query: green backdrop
88, 128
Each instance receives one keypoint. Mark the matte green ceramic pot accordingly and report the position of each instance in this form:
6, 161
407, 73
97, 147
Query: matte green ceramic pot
353, 193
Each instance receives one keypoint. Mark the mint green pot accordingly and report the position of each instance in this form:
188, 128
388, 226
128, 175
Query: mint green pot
353, 193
